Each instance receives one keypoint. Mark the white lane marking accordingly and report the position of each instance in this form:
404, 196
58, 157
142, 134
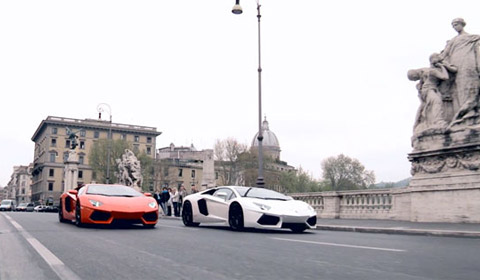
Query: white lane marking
62, 271
339, 245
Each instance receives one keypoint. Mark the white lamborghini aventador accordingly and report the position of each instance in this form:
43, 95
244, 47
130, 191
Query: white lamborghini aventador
241, 207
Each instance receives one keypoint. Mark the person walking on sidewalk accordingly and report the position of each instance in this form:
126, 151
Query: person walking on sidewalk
175, 200
164, 197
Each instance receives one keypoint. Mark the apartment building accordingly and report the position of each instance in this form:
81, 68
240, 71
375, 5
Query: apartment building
52, 144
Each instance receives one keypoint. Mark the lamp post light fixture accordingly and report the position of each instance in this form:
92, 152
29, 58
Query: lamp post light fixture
237, 9
101, 108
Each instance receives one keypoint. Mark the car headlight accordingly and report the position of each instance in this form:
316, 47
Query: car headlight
262, 206
95, 203
152, 204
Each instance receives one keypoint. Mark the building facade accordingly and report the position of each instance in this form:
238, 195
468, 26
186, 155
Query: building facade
177, 166
19, 186
52, 144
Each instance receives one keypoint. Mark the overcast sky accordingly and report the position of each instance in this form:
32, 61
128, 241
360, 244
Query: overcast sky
334, 72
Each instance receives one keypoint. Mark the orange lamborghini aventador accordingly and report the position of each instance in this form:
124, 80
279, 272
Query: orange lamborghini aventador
106, 204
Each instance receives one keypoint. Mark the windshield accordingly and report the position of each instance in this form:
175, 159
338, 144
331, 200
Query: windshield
261, 193
6, 202
112, 190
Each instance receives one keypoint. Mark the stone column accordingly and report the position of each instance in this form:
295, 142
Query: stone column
71, 171
208, 172
331, 205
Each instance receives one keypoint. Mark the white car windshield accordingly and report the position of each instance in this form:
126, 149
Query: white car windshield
115, 190
261, 193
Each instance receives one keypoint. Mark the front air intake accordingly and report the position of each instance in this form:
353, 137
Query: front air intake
100, 216
268, 220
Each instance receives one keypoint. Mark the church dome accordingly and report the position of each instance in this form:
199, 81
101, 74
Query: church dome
270, 143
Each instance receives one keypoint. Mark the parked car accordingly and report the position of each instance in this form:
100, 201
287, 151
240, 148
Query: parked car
30, 207
51, 208
7, 205
240, 207
40, 208
106, 204
22, 207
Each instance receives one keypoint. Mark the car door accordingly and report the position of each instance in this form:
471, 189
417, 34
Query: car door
219, 203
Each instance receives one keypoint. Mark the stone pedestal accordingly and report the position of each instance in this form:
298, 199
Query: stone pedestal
445, 186
71, 171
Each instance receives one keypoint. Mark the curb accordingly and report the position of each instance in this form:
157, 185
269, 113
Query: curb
427, 232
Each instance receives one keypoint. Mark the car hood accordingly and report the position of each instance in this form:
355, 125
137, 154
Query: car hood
119, 203
280, 207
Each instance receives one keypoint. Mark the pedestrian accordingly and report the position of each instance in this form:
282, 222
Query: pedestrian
194, 189
164, 197
169, 202
156, 196
175, 200
182, 194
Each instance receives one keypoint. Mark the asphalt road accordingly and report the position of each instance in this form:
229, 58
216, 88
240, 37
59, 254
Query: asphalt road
37, 246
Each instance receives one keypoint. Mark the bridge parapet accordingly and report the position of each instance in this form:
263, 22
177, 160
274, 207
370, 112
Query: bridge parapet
361, 204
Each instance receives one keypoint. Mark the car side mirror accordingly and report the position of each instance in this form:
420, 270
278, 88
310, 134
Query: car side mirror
74, 192
148, 194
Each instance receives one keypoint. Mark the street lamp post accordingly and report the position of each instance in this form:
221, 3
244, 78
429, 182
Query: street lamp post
237, 9
101, 108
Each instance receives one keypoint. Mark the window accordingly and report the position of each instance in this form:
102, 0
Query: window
123, 136
53, 155
23, 191
54, 142
81, 159
193, 173
96, 134
180, 172
67, 143
136, 138
149, 150
135, 148
165, 171
65, 156
94, 175
51, 172
54, 130
80, 174
224, 193
82, 145
50, 186
82, 133
216, 175
149, 139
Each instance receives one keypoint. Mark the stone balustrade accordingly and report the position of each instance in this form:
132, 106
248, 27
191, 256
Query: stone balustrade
438, 203
362, 204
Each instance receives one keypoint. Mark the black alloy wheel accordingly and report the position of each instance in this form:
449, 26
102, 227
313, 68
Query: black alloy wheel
187, 215
78, 215
235, 217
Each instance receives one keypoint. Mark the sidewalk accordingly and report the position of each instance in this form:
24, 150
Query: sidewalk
401, 227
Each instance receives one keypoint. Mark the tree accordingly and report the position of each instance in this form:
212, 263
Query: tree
98, 158
345, 173
299, 181
227, 153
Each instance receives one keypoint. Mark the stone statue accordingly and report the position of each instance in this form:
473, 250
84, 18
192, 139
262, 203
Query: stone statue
129, 170
463, 52
72, 136
430, 114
